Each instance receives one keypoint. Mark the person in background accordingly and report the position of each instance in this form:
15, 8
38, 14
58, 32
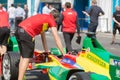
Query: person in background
26, 32
46, 9
116, 19
11, 11
4, 30
59, 23
26, 10
3, 8
69, 21
51, 7
19, 14
94, 12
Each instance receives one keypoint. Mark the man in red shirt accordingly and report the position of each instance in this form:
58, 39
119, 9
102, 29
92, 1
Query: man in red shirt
4, 30
28, 29
69, 20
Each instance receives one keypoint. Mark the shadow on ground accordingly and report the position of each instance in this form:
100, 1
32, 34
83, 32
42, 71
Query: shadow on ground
36, 75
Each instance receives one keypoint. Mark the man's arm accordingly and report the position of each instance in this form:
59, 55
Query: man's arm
84, 12
44, 42
116, 21
57, 39
101, 12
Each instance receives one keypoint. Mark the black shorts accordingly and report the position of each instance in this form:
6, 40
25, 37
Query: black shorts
115, 28
26, 43
4, 35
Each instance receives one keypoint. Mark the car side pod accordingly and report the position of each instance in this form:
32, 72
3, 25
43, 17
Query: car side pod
13, 44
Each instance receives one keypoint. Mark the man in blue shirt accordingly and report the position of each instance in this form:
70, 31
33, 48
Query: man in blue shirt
94, 12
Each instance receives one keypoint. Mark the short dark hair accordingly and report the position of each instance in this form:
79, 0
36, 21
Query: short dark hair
12, 5
68, 5
55, 13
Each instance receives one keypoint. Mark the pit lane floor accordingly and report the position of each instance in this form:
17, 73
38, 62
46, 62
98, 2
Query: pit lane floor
104, 38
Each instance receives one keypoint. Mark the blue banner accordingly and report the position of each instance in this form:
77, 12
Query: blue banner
79, 6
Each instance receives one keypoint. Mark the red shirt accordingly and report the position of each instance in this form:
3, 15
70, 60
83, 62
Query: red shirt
34, 24
4, 19
69, 21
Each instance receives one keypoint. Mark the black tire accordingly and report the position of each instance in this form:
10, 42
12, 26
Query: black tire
80, 76
10, 66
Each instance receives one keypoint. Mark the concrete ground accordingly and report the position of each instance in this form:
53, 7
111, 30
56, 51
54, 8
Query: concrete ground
104, 38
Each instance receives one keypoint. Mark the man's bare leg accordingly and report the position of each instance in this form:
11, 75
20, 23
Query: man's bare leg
0, 50
113, 39
4, 49
23, 67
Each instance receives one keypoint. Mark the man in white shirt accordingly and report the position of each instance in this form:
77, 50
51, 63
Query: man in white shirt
19, 14
11, 11
51, 7
45, 9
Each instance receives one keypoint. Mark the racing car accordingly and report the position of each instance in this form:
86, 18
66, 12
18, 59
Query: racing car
66, 68
92, 61
95, 58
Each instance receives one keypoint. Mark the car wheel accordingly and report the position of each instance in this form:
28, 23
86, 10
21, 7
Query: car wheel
80, 76
10, 66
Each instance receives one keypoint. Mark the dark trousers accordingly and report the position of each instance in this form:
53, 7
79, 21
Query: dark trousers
68, 38
92, 27
18, 20
4, 35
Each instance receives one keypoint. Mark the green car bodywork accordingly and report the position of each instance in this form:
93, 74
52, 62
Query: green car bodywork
97, 49
13, 44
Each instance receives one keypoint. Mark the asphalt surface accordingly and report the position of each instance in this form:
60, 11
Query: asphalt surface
104, 38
